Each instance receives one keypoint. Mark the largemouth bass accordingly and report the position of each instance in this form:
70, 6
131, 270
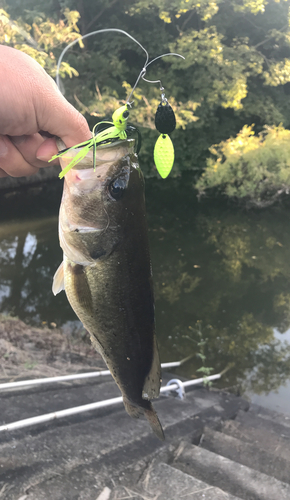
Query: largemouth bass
106, 270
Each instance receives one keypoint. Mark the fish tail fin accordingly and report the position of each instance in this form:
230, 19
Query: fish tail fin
150, 414
132, 410
154, 422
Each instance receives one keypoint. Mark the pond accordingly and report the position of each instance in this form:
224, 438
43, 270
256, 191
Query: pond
222, 281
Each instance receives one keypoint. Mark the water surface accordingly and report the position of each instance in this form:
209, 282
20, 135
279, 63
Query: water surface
222, 281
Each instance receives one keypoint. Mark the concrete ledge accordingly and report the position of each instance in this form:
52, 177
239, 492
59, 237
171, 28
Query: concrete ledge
230, 476
246, 453
166, 483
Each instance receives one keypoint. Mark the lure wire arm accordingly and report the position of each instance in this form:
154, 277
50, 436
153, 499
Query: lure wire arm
143, 73
106, 30
117, 30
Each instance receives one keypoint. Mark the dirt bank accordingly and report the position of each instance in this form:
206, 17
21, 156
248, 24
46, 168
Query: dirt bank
28, 352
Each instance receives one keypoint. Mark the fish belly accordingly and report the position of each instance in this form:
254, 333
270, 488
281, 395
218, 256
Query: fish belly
115, 304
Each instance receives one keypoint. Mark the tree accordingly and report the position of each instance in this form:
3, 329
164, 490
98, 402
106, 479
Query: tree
41, 38
237, 67
252, 168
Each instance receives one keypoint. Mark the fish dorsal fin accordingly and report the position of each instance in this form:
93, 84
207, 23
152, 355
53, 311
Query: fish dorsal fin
152, 382
58, 280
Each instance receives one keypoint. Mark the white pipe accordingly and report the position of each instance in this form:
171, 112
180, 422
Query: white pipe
92, 406
48, 380
64, 378
59, 414
172, 365
196, 381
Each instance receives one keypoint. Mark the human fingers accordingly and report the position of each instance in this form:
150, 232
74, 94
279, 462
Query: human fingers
47, 149
12, 161
30, 101
58, 117
28, 146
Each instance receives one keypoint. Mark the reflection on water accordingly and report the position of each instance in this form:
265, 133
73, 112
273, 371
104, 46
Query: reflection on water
222, 280
28, 258
222, 285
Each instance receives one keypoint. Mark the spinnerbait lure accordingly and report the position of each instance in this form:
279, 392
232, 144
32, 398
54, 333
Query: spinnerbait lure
118, 129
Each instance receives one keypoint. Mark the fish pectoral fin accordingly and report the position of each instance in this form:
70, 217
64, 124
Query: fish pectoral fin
151, 388
58, 280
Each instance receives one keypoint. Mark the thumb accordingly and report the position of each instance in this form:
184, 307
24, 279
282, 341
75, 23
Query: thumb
58, 117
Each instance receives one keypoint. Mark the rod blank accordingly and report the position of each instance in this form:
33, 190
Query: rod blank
91, 406
52, 380
65, 378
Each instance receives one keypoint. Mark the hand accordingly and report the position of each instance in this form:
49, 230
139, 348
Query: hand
30, 103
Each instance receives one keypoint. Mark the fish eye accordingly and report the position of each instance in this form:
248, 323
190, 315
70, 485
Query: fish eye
117, 188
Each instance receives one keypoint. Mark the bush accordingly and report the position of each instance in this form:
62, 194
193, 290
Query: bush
249, 167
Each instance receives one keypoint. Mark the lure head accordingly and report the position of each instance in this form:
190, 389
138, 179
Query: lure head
120, 117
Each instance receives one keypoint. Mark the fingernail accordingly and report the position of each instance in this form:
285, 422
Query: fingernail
18, 139
3, 147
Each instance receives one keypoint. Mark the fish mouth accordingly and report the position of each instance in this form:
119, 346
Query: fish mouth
86, 177
106, 153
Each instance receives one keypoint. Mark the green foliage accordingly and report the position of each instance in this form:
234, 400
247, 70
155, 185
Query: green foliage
254, 168
236, 72
40, 38
201, 347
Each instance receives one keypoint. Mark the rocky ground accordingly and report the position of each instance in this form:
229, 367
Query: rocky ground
217, 446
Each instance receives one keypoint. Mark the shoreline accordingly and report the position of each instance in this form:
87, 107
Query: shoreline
43, 175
